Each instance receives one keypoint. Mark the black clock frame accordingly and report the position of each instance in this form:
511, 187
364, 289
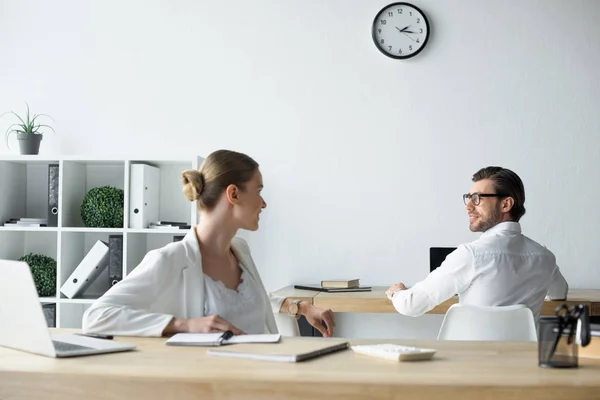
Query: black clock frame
377, 44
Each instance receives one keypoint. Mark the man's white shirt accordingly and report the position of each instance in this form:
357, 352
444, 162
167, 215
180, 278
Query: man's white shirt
503, 267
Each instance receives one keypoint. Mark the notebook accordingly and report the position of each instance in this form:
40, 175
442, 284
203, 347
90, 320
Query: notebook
395, 352
214, 339
288, 350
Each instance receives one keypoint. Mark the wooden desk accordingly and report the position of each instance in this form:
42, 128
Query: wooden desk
460, 370
376, 302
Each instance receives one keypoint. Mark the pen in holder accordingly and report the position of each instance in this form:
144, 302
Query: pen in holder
557, 345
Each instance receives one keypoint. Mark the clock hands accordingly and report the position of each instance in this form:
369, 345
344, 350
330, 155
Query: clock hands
404, 31
409, 36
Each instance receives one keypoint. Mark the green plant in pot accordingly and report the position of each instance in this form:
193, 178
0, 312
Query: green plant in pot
43, 269
102, 207
28, 130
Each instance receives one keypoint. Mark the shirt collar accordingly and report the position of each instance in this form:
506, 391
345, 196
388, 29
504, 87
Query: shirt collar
507, 226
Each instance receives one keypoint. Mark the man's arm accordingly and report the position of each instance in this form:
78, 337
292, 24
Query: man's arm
558, 288
452, 277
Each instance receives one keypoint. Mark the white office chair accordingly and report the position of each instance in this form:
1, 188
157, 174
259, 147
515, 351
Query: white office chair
510, 323
286, 325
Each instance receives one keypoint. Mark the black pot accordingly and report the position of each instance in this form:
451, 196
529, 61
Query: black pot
29, 143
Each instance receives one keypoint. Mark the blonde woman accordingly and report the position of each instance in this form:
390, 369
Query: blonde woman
208, 281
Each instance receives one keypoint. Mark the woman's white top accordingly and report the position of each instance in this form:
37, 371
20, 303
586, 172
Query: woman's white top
243, 307
169, 282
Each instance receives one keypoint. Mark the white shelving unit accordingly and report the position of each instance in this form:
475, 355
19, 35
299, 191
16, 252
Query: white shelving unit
24, 193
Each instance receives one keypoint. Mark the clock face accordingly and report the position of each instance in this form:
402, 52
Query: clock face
400, 30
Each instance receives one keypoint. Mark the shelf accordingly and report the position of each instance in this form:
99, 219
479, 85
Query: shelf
27, 190
177, 232
94, 230
48, 300
78, 301
28, 228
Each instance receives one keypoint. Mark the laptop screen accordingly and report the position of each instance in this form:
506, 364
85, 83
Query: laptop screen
437, 255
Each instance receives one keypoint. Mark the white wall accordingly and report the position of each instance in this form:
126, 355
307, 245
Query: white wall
364, 158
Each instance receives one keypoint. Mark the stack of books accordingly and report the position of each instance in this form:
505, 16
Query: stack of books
27, 222
336, 286
169, 225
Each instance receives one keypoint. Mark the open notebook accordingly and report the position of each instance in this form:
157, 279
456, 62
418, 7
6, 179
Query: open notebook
214, 339
288, 350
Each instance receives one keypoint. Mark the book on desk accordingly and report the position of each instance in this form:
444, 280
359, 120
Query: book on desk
219, 339
289, 350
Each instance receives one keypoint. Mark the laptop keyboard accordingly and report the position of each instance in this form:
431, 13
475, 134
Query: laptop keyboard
63, 347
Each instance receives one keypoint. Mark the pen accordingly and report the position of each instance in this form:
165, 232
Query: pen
225, 336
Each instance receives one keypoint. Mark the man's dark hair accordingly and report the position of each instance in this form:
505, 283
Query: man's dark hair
508, 184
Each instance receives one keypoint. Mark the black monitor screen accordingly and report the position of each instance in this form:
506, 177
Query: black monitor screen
437, 255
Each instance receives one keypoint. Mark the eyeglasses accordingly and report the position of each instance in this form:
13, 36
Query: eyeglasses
476, 197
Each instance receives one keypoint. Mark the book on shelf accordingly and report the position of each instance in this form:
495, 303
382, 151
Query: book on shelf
289, 349
339, 283
170, 223
319, 288
26, 222
218, 339
94, 262
152, 226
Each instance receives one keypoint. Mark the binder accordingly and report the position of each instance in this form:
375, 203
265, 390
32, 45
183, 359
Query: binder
50, 314
144, 186
53, 195
87, 271
115, 259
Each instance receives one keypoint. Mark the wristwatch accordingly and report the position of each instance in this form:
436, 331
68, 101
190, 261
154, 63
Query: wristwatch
294, 308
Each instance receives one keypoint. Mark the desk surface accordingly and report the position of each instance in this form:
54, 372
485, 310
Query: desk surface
376, 302
465, 370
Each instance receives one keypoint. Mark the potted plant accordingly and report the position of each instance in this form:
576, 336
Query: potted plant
102, 207
43, 269
28, 131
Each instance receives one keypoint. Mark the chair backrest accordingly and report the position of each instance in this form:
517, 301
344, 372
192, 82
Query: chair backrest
286, 325
509, 323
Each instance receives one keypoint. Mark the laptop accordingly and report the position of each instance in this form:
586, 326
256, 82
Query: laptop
24, 326
437, 255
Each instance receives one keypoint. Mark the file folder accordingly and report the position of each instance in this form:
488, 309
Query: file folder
87, 271
144, 186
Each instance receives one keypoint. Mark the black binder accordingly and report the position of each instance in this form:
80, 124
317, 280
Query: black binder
50, 314
53, 195
115, 259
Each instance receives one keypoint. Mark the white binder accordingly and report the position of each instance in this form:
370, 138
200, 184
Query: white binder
144, 185
94, 262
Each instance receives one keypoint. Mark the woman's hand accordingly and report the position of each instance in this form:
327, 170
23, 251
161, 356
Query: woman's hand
317, 316
210, 324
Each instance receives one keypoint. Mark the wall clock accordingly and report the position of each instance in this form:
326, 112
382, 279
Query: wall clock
400, 30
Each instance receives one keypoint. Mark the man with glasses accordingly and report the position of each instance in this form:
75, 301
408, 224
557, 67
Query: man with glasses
503, 267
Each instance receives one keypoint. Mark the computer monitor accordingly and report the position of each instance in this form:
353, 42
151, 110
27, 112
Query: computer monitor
437, 255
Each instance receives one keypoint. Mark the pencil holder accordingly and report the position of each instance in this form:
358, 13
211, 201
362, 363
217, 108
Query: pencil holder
557, 347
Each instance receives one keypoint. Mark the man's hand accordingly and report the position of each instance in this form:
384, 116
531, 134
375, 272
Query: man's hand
317, 316
395, 288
